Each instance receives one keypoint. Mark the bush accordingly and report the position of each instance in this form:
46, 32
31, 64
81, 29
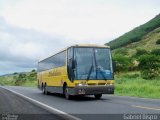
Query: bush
20, 79
121, 51
122, 62
158, 41
155, 52
140, 52
32, 76
149, 66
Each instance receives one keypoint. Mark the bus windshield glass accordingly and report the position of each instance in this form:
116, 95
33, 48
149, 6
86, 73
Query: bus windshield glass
93, 64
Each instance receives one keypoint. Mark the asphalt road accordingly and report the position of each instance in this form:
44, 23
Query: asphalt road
87, 107
14, 107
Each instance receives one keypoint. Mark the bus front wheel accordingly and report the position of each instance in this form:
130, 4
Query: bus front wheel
67, 96
98, 96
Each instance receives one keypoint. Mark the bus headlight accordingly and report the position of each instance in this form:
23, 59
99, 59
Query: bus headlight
80, 84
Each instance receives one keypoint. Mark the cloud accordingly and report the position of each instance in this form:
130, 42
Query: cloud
33, 29
22, 48
80, 20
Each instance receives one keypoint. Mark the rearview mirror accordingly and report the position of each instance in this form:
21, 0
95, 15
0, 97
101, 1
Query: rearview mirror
114, 65
71, 69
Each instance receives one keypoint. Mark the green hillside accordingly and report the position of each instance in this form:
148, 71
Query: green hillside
138, 34
137, 57
148, 43
139, 50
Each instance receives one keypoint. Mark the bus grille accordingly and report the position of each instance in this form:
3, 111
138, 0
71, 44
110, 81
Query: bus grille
96, 83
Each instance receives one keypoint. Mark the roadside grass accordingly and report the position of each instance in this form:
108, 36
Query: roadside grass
30, 83
126, 84
131, 84
7, 80
29, 80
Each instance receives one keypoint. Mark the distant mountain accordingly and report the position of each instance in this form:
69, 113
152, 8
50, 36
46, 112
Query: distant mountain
143, 36
7, 74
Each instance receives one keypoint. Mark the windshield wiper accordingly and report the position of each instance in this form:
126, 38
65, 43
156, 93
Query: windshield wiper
102, 74
90, 70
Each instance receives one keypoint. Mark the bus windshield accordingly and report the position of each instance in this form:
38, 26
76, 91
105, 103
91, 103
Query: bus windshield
92, 64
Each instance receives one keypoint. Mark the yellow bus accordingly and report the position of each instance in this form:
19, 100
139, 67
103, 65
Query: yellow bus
77, 70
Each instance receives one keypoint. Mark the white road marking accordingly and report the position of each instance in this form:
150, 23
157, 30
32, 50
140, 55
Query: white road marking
144, 107
49, 108
150, 99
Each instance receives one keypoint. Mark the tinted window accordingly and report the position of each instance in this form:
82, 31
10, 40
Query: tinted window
93, 64
53, 62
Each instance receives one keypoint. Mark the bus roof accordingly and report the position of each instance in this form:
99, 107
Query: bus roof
89, 45
77, 45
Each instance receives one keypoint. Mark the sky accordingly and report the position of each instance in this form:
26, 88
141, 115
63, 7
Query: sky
31, 30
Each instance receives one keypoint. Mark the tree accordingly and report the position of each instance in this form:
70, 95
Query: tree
33, 70
158, 41
15, 73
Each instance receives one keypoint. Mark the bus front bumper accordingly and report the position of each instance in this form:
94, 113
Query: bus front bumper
91, 90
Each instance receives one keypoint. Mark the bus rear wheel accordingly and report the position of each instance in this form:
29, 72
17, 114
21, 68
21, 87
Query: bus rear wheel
98, 96
44, 89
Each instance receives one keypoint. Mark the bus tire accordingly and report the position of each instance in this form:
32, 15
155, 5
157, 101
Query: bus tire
66, 94
98, 96
42, 87
45, 90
